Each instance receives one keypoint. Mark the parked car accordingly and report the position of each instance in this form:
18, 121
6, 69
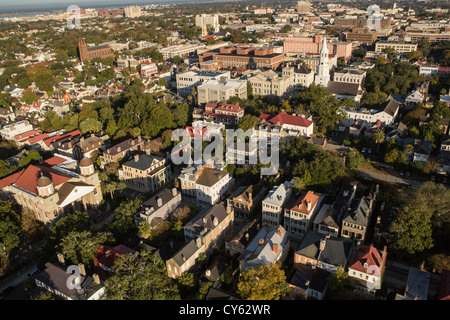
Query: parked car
444, 180
407, 173
433, 178
369, 151
402, 173
363, 150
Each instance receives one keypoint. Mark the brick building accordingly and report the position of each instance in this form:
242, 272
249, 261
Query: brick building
88, 53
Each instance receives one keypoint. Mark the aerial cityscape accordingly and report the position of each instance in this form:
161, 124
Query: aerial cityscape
225, 151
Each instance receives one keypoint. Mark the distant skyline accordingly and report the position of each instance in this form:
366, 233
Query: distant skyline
34, 5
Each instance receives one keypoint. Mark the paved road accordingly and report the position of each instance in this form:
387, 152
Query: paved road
19, 276
387, 177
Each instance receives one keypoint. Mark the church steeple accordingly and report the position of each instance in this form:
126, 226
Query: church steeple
323, 69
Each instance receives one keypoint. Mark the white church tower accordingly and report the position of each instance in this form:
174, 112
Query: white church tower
323, 69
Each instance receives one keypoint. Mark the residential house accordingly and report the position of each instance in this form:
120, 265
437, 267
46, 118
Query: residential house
273, 204
245, 199
86, 147
349, 75
413, 98
328, 220
145, 173
323, 251
204, 185
240, 236
106, 256
203, 233
367, 266
299, 213
270, 245
55, 279
159, 207
120, 150
287, 125
308, 283
418, 150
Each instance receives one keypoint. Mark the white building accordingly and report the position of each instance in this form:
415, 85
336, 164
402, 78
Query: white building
181, 50
387, 114
204, 185
188, 80
214, 90
133, 11
11, 130
205, 20
323, 69
350, 75
273, 204
427, 70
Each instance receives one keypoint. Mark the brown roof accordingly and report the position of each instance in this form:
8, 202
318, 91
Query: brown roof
210, 177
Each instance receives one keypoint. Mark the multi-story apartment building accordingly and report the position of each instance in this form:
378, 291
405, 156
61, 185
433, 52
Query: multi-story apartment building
55, 187
387, 113
299, 214
189, 80
313, 45
145, 173
133, 11
203, 233
205, 20
303, 76
269, 246
360, 22
204, 185
121, 150
273, 204
9, 131
399, 47
214, 91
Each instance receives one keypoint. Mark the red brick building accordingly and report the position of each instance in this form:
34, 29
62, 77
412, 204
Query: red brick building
244, 57
88, 53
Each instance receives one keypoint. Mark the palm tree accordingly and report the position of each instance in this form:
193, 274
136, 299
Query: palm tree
379, 138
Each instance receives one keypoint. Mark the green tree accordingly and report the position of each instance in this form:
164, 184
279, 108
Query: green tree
142, 276
379, 138
267, 282
29, 97
90, 125
411, 230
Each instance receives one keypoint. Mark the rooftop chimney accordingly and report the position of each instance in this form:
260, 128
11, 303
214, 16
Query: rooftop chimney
159, 201
275, 248
96, 278
174, 191
261, 241
82, 269
136, 157
60, 258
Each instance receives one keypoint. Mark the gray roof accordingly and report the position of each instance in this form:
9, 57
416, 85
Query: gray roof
205, 219
445, 140
219, 294
343, 88
302, 69
310, 245
336, 252
277, 196
390, 107
144, 162
165, 194
186, 252
359, 212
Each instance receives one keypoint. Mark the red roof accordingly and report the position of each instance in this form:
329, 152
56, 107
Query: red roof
107, 256
284, 118
37, 138
369, 255
301, 204
9, 180
58, 137
229, 108
27, 178
194, 132
26, 135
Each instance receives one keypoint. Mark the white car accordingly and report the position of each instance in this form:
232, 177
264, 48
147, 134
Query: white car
369, 151
363, 150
